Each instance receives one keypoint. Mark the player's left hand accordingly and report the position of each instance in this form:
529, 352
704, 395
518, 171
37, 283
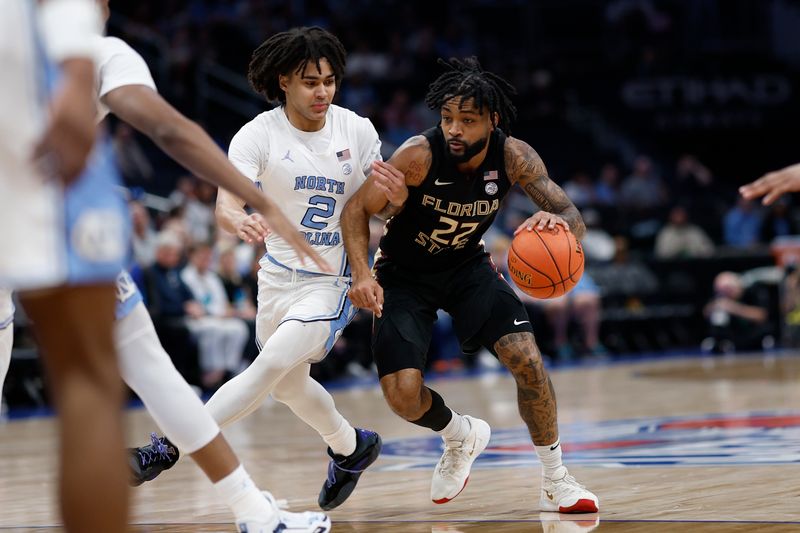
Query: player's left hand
391, 182
541, 221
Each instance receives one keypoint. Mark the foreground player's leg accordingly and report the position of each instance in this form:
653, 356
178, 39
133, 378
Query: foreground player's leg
351, 451
74, 329
148, 370
464, 437
537, 406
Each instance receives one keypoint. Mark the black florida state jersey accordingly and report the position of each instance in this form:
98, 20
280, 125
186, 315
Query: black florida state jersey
446, 215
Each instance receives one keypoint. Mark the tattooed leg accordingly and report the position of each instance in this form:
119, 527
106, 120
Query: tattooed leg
535, 395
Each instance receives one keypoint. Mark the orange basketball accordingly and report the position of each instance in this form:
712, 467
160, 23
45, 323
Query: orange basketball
545, 264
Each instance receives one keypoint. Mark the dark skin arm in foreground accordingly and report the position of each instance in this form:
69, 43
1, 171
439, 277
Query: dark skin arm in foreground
408, 165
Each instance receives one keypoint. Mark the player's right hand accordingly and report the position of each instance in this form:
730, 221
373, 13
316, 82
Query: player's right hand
391, 182
366, 293
773, 184
252, 228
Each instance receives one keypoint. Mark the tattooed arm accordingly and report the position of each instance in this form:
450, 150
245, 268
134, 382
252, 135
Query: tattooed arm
525, 167
412, 161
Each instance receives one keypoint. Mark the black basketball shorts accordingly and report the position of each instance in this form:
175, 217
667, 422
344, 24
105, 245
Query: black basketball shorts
483, 306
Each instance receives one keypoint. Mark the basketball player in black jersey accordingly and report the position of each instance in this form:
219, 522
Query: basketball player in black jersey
431, 258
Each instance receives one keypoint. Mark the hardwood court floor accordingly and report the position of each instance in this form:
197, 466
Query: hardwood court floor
679, 444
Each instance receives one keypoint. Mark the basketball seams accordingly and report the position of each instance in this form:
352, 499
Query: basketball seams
553, 259
523, 286
516, 253
554, 283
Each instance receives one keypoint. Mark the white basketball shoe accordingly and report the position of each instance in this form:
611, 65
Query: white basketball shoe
285, 522
562, 494
452, 472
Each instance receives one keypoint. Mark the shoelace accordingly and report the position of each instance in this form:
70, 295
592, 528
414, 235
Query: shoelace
333, 467
156, 450
571, 481
452, 459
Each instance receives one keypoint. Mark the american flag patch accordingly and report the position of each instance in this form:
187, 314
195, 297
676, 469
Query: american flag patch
344, 155
490, 175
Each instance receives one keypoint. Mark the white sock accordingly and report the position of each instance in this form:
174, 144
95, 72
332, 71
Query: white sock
242, 496
457, 429
550, 457
343, 441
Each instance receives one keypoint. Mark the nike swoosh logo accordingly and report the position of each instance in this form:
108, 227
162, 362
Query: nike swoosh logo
556, 445
437, 182
518, 322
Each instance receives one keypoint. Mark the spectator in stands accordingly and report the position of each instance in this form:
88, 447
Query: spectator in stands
626, 278
778, 221
742, 224
580, 189
170, 303
606, 189
737, 316
143, 236
643, 190
679, 238
176, 225
598, 244
241, 291
582, 305
237, 291
221, 335
694, 183
196, 200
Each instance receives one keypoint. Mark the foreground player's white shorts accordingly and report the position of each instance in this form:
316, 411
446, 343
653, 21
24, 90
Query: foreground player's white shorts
285, 295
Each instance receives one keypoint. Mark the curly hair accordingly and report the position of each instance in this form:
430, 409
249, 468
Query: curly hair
290, 51
466, 78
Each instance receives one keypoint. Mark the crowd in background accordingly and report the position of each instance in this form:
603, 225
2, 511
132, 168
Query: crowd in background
646, 202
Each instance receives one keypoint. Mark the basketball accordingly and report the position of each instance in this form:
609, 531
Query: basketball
545, 264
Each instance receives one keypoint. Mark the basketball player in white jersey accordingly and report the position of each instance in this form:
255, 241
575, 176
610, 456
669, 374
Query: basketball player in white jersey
58, 228
126, 88
309, 156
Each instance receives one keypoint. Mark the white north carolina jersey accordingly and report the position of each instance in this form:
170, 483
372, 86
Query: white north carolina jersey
48, 235
310, 175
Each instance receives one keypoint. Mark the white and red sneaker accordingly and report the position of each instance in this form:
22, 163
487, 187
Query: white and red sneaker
452, 472
562, 494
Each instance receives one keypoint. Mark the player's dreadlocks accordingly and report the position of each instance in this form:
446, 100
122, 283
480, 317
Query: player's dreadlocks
290, 51
468, 80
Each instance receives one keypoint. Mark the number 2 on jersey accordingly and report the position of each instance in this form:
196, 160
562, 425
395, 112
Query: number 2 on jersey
325, 206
